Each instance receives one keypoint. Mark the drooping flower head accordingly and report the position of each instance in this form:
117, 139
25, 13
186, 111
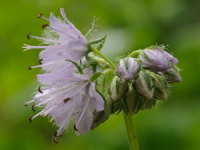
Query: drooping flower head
157, 60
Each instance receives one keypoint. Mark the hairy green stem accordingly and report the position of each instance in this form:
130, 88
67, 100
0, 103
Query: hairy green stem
97, 52
132, 138
135, 53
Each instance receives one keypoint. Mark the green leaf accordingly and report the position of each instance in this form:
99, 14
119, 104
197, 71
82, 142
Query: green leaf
97, 41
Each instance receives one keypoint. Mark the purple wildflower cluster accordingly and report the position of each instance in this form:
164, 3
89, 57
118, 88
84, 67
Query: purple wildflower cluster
80, 87
143, 79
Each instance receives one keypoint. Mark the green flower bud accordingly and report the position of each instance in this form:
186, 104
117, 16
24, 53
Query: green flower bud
117, 88
144, 85
130, 102
160, 90
99, 117
148, 104
172, 75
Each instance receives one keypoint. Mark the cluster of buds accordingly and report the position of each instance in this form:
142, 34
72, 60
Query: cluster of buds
80, 87
142, 79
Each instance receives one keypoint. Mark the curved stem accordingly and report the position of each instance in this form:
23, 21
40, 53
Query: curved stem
135, 53
132, 138
97, 52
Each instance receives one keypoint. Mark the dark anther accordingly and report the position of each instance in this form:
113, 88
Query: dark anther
55, 134
33, 107
40, 15
66, 100
54, 139
30, 68
39, 89
30, 119
28, 36
75, 128
40, 61
25, 104
44, 26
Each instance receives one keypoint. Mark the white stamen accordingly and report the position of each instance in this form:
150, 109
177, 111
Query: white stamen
38, 114
77, 91
45, 39
27, 103
83, 112
28, 47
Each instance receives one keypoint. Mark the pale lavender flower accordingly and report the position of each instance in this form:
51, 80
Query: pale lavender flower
128, 69
69, 98
157, 60
63, 41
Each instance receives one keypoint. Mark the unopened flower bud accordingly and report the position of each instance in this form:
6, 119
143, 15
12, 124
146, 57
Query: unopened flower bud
160, 90
157, 60
99, 117
117, 88
128, 69
172, 75
130, 102
144, 85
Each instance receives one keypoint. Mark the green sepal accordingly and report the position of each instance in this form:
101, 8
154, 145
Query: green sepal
98, 41
99, 47
160, 87
117, 88
117, 85
95, 76
148, 79
77, 66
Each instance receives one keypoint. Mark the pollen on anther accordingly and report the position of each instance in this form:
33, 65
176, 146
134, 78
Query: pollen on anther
30, 118
44, 26
33, 107
55, 134
40, 61
39, 89
40, 15
54, 140
75, 128
28, 36
30, 68
25, 104
66, 100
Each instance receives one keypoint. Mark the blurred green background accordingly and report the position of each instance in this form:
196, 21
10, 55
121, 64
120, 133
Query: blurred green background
130, 25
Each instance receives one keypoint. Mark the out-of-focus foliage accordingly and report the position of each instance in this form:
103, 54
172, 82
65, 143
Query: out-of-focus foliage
130, 24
